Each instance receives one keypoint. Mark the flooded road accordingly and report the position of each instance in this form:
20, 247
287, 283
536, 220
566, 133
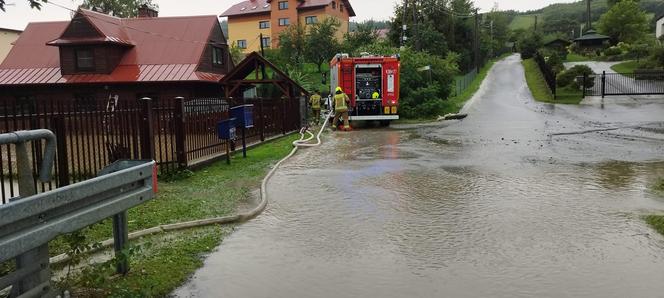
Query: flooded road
520, 199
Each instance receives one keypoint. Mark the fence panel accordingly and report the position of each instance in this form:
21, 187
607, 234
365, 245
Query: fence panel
200, 120
615, 84
547, 72
97, 131
461, 83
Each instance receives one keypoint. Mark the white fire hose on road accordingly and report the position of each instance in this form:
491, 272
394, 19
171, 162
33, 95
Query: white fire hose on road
242, 217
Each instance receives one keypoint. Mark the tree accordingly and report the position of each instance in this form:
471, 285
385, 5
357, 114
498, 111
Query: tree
364, 33
320, 41
236, 53
33, 3
291, 43
625, 21
611, 3
529, 44
118, 8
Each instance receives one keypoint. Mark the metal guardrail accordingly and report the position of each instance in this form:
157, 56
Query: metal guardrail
29, 222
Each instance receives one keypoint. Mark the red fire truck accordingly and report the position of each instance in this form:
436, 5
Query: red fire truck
360, 78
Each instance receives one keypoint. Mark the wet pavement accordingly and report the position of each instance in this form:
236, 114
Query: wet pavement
520, 199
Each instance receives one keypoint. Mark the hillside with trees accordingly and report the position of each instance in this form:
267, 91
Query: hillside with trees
563, 18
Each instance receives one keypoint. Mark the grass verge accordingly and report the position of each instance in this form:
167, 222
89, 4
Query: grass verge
158, 266
210, 192
540, 90
657, 221
572, 57
625, 67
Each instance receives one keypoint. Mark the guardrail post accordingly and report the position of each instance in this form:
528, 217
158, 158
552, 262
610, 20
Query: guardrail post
180, 135
147, 138
59, 127
603, 83
120, 240
39, 255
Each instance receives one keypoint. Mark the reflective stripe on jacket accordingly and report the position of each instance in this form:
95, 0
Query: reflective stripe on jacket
340, 102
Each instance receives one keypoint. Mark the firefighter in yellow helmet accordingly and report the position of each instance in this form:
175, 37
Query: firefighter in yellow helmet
314, 102
341, 103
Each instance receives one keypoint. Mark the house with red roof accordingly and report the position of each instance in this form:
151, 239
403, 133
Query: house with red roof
95, 56
252, 23
7, 38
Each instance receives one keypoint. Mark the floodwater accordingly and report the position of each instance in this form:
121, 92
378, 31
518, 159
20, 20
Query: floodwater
520, 199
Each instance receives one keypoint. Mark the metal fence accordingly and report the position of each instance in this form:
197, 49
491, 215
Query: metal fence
176, 132
547, 72
612, 84
461, 83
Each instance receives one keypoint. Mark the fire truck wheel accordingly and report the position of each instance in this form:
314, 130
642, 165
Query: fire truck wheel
384, 123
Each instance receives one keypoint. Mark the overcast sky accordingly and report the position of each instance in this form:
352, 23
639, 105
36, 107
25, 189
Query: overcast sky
19, 13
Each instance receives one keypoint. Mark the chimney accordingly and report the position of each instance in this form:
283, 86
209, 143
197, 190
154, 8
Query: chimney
145, 11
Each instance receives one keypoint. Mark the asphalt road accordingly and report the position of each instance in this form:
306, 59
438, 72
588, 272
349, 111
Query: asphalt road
520, 199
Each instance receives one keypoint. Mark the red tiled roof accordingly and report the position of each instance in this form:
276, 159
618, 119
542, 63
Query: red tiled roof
248, 7
122, 74
164, 49
263, 6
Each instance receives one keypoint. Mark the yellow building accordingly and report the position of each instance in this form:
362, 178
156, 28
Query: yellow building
7, 37
249, 19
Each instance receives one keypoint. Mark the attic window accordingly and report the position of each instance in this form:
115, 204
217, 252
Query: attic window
217, 56
85, 59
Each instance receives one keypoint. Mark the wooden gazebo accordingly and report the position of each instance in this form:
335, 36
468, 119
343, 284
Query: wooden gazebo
253, 71
277, 113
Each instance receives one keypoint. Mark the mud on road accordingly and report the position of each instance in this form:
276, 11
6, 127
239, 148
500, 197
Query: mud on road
520, 199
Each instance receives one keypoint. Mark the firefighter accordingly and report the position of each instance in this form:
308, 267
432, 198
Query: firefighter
314, 101
341, 103
375, 95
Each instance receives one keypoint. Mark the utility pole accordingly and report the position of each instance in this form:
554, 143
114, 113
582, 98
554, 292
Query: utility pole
263, 54
404, 19
536, 16
477, 41
589, 21
491, 55
415, 36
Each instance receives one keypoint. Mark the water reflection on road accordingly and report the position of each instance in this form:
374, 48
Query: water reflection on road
518, 200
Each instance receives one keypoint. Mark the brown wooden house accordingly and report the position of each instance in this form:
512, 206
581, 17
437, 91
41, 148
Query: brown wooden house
97, 56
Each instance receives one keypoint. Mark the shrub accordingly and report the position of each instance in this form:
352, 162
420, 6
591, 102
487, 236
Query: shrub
568, 77
554, 61
529, 45
657, 56
624, 47
613, 51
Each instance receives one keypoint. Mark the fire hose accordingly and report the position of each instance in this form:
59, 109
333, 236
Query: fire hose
242, 217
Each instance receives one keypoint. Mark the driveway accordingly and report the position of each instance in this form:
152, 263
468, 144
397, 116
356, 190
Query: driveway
619, 84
